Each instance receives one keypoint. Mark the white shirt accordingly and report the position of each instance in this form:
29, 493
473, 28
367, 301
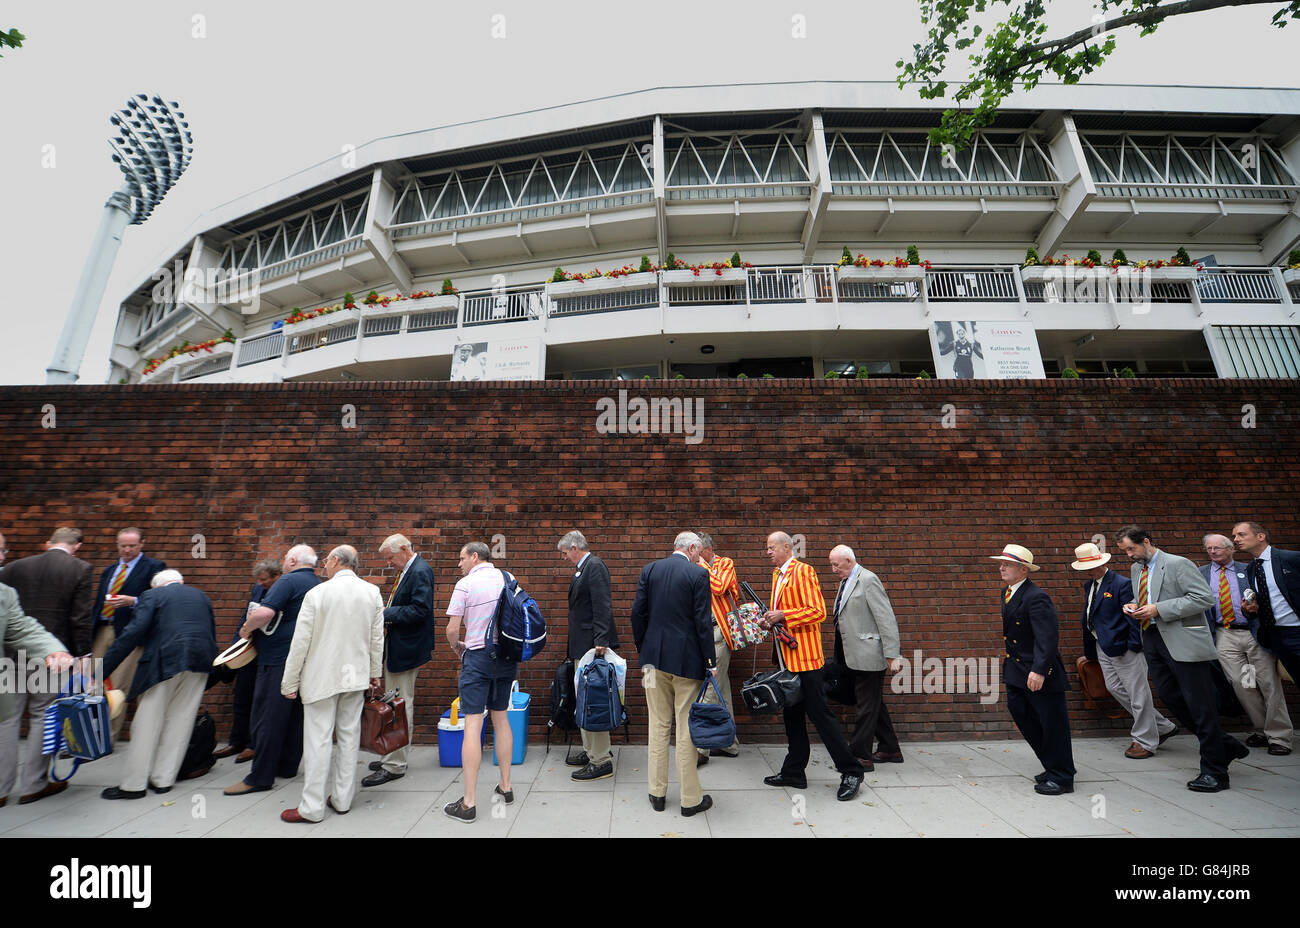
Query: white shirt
1283, 614
780, 581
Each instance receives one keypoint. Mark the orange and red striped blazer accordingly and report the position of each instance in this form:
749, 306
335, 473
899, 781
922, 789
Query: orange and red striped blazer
805, 610
726, 591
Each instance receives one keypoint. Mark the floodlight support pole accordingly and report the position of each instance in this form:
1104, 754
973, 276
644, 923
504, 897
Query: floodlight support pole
71, 349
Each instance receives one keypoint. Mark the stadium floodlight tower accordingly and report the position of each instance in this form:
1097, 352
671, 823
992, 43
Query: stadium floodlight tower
153, 148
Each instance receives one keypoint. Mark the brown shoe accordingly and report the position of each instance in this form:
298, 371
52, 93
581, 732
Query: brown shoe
244, 756
50, 789
867, 764
1137, 752
227, 751
241, 788
888, 757
195, 774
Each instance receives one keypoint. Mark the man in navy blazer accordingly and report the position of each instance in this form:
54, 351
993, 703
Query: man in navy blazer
672, 625
1033, 672
120, 586
1106, 629
1275, 578
409, 630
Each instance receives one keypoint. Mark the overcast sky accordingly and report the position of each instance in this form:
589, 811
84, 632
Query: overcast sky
271, 87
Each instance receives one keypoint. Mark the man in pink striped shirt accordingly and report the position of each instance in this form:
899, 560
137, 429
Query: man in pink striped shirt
484, 682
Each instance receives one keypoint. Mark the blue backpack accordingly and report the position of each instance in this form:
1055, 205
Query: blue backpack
599, 707
517, 631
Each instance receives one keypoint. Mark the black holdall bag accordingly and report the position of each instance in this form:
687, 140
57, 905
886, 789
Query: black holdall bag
771, 690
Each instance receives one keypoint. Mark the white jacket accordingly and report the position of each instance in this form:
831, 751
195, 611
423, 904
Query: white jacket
338, 641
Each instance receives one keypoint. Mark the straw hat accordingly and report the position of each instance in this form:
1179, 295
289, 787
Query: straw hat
237, 655
116, 704
1087, 556
1016, 555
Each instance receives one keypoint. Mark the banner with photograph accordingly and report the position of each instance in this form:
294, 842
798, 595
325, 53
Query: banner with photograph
515, 359
986, 350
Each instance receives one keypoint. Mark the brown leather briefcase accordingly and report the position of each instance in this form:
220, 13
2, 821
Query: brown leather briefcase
383, 723
1092, 681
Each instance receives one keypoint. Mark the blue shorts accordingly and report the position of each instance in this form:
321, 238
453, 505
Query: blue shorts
485, 683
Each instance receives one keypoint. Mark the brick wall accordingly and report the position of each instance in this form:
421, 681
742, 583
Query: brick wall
253, 469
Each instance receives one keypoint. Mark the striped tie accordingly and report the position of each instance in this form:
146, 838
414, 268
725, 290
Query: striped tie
1226, 612
113, 590
1006, 596
396, 584
1142, 595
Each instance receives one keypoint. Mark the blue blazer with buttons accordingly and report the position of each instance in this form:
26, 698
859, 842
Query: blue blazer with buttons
1031, 633
1116, 632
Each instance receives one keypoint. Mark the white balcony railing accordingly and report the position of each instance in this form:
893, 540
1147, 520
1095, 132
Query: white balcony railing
775, 286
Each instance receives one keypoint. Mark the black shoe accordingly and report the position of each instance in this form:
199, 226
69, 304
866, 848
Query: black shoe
1256, 740
113, 792
1208, 783
1279, 750
701, 759
1052, 788
459, 812
780, 779
592, 772
508, 796
719, 752
705, 804
850, 783
1236, 750
1165, 737
160, 789
329, 801
1041, 777
577, 760
376, 765
380, 777
658, 802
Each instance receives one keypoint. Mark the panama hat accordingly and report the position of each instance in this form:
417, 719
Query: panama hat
237, 655
1087, 556
116, 704
1016, 555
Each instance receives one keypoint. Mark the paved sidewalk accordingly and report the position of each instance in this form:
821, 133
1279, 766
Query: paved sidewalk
944, 789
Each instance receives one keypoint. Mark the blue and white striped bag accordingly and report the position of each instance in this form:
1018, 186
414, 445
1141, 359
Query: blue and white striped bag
81, 722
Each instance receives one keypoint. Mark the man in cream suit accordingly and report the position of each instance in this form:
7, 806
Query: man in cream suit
337, 650
866, 635
1171, 599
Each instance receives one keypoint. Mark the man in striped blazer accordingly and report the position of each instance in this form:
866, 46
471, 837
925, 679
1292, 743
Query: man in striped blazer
796, 602
724, 592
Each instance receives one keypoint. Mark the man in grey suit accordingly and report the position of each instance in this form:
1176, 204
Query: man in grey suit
56, 588
1172, 597
866, 635
591, 625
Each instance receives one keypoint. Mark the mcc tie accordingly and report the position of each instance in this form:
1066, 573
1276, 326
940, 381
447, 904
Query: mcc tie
116, 586
1142, 595
1225, 600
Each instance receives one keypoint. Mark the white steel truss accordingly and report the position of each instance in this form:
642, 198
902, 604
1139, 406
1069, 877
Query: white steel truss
902, 163
552, 178
297, 236
767, 157
1188, 165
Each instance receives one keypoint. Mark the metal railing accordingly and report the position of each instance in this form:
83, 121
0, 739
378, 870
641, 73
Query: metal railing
793, 284
981, 284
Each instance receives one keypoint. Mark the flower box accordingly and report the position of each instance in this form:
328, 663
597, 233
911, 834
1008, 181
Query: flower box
425, 304
1163, 274
1039, 273
888, 272
326, 321
642, 280
1291, 275
707, 277
164, 370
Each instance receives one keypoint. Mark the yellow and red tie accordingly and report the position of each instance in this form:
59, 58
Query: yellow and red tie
1226, 612
114, 588
396, 583
1142, 595
1006, 596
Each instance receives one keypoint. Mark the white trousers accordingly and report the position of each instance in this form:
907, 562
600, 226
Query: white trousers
160, 734
329, 772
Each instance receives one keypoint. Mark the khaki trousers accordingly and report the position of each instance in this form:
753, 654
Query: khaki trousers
669, 698
596, 744
123, 675
1263, 702
160, 735
722, 657
404, 683
36, 766
330, 773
